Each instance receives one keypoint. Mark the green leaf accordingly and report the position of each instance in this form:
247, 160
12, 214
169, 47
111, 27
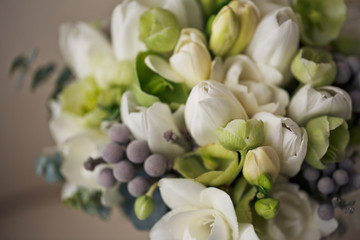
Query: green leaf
23, 64
245, 193
40, 164
19, 63
210, 165
63, 79
42, 74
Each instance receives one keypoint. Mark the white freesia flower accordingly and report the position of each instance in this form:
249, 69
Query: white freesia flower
63, 125
151, 123
210, 105
76, 152
310, 103
288, 139
79, 44
235, 69
125, 22
198, 213
190, 63
297, 218
274, 44
260, 97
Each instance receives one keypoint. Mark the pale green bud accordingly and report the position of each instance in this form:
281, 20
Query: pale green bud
313, 66
80, 97
259, 161
248, 16
327, 140
159, 29
144, 206
265, 181
241, 135
224, 31
267, 207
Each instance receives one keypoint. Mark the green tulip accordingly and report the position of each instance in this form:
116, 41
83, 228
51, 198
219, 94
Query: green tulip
315, 67
159, 30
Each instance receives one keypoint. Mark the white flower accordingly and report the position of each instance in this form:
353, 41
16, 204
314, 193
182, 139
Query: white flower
274, 44
190, 63
76, 151
64, 125
210, 105
297, 218
80, 43
288, 139
260, 97
198, 213
269, 6
126, 16
151, 123
310, 103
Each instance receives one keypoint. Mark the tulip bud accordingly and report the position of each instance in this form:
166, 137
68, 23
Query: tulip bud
159, 30
144, 206
191, 58
210, 105
267, 207
241, 135
315, 67
248, 16
224, 31
261, 160
327, 140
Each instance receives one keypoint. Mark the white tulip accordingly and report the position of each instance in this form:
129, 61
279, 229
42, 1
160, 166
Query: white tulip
287, 138
260, 97
151, 123
76, 151
126, 16
274, 44
309, 103
80, 43
199, 213
190, 63
210, 105
297, 218
269, 6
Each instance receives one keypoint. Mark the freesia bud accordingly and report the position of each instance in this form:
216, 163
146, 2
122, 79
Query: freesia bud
191, 58
320, 23
274, 44
328, 138
159, 30
309, 103
144, 206
315, 67
248, 16
261, 160
210, 105
224, 31
241, 135
267, 207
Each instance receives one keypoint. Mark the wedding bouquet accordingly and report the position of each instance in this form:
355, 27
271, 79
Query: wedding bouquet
211, 119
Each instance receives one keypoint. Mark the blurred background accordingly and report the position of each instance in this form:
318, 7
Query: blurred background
30, 208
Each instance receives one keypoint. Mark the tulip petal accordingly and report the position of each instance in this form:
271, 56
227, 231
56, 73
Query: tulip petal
247, 232
220, 229
181, 192
163, 68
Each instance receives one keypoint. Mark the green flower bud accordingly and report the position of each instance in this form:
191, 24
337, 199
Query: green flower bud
210, 6
327, 140
265, 182
248, 16
159, 30
320, 20
80, 97
144, 206
315, 67
267, 207
261, 161
241, 135
224, 31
